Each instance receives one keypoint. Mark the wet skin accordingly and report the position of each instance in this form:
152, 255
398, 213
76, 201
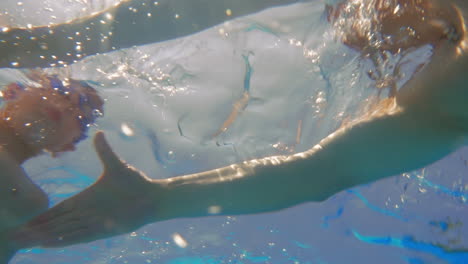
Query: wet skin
33, 121
424, 122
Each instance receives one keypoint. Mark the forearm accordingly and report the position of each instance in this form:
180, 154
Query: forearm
250, 187
131, 23
123, 199
357, 154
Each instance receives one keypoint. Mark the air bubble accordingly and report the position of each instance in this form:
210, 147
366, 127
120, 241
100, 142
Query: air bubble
127, 130
171, 156
97, 113
214, 210
179, 240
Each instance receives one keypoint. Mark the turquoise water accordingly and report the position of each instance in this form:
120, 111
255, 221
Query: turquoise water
409, 233
300, 81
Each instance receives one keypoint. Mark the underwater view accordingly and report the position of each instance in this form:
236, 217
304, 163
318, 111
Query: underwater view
275, 81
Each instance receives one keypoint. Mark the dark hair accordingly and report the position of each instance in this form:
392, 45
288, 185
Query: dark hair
83, 100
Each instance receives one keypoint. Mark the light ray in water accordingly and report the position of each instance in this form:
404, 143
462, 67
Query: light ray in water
256, 26
440, 188
327, 218
155, 146
373, 207
240, 104
451, 256
79, 179
248, 73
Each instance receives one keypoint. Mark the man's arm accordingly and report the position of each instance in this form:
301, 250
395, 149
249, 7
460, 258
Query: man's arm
132, 22
386, 144
123, 199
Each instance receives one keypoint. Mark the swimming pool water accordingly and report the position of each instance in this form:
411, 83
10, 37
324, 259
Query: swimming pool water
167, 103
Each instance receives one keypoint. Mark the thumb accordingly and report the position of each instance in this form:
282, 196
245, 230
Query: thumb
107, 156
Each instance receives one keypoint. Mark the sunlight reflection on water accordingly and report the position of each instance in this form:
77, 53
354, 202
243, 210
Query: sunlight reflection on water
274, 83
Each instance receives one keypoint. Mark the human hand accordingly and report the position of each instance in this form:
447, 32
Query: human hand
115, 204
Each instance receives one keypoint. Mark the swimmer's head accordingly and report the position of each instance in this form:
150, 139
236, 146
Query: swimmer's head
397, 25
52, 116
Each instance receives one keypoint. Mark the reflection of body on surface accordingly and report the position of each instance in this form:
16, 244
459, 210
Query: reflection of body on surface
49, 115
129, 23
423, 122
